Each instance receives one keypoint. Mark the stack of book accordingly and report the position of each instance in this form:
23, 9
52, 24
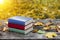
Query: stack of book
20, 24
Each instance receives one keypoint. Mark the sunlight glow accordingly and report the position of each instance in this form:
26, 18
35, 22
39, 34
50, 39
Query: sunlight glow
1, 1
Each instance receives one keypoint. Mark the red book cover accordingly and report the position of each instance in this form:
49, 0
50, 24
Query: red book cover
21, 27
16, 26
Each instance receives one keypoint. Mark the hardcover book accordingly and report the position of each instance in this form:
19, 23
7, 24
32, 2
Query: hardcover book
21, 27
21, 31
20, 20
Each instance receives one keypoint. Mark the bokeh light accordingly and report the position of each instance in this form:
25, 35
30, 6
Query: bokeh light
37, 9
1, 1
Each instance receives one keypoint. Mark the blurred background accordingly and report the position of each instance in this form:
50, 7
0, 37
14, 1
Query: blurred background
37, 9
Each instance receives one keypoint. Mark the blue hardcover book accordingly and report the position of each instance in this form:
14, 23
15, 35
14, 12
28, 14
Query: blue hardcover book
20, 20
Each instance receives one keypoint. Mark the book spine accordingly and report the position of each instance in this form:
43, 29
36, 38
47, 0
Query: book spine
20, 31
16, 30
16, 26
16, 22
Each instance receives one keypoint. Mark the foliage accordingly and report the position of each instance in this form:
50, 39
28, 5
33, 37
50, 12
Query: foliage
37, 9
